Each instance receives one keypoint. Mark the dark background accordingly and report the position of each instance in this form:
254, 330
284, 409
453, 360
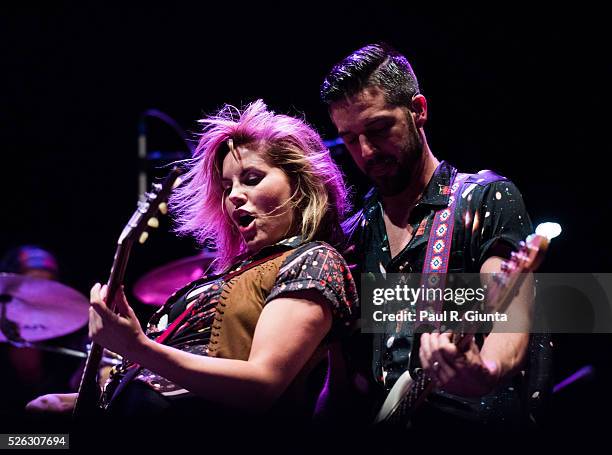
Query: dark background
522, 92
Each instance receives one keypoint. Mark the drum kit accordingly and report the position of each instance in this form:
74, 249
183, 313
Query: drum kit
36, 310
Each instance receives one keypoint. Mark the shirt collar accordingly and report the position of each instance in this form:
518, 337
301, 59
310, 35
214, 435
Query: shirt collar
437, 192
284, 244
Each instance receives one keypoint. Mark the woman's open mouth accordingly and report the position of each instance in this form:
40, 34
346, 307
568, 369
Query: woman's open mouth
245, 221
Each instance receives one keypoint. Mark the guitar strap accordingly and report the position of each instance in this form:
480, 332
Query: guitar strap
441, 234
437, 256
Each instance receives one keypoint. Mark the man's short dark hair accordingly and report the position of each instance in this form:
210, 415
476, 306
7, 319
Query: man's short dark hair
373, 65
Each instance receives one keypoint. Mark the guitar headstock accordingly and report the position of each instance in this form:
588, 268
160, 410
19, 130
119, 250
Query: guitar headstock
514, 270
151, 204
529, 256
503, 286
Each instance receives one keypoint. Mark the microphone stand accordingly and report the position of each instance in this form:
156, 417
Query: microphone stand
144, 156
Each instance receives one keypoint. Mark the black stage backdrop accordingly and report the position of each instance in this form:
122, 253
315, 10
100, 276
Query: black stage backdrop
522, 92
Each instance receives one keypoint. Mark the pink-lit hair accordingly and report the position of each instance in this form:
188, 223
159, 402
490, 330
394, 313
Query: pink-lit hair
319, 201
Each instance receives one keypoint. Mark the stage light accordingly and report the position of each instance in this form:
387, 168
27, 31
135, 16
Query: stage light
549, 230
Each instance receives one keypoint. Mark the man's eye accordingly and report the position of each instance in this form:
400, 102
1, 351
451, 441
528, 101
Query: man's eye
381, 131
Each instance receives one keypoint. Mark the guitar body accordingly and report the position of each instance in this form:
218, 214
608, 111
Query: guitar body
86, 405
393, 401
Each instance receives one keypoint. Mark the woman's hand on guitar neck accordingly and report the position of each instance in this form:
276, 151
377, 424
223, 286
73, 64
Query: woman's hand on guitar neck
119, 332
460, 373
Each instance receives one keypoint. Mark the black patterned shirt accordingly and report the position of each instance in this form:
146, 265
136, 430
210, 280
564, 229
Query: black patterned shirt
490, 220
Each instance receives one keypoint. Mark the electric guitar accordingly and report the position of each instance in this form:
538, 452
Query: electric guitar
409, 392
152, 203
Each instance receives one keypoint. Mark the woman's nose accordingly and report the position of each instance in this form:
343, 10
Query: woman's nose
237, 197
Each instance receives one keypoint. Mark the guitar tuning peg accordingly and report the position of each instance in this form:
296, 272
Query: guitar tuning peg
177, 182
153, 222
143, 237
163, 208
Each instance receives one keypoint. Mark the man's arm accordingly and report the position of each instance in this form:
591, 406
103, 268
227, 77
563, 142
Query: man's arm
508, 350
477, 372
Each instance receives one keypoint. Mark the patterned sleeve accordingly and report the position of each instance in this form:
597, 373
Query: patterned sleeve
318, 266
505, 221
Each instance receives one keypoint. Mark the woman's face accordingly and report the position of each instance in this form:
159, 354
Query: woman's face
256, 198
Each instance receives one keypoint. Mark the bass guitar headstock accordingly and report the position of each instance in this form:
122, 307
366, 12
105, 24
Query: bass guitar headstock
151, 204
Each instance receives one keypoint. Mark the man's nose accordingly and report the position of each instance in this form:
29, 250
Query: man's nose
367, 150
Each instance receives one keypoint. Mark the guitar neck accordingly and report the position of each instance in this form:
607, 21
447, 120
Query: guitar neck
502, 290
88, 398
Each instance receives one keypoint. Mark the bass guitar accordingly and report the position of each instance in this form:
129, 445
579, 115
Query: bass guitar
411, 389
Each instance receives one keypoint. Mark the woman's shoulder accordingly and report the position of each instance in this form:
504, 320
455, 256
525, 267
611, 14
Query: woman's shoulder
315, 253
316, 265
316, 246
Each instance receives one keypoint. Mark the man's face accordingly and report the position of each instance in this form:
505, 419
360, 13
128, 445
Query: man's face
382, 138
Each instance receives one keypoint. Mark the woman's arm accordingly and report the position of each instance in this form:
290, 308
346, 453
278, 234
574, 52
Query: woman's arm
287, 333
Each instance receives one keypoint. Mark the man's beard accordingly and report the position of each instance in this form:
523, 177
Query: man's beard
407, 167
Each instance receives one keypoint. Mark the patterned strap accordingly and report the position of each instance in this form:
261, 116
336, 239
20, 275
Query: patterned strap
438, 250
441, 235
433, 275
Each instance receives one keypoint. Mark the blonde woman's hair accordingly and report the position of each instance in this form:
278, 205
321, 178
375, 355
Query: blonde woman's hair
319, 201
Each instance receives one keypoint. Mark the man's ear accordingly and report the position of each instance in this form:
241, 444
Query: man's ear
418, 107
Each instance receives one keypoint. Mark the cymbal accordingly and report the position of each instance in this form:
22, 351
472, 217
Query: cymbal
156, 286
36, 309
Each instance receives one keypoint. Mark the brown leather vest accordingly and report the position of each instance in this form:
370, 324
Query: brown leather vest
242, 300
